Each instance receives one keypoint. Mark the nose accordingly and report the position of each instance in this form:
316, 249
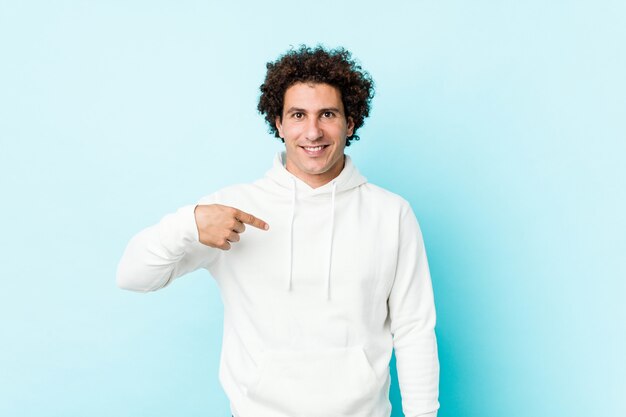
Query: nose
313, 130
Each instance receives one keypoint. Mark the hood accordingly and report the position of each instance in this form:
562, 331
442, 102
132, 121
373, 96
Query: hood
348, 179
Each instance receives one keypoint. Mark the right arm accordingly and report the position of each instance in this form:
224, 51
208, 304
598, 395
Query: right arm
162, 252
189, 239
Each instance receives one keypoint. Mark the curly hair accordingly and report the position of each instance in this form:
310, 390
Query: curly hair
317, 65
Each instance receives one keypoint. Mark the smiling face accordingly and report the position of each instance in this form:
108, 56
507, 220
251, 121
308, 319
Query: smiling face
314, 127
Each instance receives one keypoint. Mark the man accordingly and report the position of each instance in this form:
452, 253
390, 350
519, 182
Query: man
318, 293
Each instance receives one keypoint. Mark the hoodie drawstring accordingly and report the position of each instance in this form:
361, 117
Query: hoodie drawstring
293, 215
330, 243
330, 237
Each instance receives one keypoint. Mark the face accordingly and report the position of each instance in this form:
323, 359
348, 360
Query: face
314, 127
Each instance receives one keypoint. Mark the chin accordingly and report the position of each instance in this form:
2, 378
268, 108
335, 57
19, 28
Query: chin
316, 171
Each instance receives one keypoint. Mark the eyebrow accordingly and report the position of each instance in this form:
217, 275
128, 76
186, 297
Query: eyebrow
301, 110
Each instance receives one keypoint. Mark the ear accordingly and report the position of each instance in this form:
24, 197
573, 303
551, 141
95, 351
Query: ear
279, 126
350, 126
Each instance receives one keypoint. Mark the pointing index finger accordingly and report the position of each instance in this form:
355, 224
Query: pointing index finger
244, 217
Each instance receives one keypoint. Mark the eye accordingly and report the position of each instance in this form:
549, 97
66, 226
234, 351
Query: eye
328, 114
297, 115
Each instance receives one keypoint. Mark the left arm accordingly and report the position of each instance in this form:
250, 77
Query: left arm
412, 313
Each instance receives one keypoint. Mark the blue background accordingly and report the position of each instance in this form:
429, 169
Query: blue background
502, 122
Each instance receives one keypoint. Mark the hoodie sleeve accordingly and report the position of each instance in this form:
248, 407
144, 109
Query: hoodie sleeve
412, 315
160, 253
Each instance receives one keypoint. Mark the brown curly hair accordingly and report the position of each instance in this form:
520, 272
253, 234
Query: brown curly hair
317, 65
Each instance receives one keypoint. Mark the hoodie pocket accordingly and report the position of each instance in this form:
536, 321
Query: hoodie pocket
320, 383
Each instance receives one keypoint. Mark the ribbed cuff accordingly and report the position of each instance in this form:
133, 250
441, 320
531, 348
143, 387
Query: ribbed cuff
178, 231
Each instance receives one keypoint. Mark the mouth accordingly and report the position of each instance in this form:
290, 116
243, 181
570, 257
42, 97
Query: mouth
314, 150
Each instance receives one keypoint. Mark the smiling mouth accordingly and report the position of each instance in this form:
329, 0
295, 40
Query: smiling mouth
314, 148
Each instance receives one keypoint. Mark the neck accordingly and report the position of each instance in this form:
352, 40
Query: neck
318, 180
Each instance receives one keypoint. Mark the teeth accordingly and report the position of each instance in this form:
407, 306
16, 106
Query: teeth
313, 148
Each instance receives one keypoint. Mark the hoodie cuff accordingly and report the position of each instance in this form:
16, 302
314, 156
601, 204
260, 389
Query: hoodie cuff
189, 226
178, 231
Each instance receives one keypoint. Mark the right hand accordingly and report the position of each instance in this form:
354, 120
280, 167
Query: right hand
220, 225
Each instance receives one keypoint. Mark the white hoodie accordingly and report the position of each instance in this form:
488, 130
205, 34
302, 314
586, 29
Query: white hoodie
314, 305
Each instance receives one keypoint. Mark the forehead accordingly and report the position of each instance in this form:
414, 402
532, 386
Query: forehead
312, 96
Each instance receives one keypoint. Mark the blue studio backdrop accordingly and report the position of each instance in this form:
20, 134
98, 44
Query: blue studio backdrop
502, 122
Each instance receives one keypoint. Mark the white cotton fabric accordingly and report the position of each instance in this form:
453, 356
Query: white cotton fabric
313, 306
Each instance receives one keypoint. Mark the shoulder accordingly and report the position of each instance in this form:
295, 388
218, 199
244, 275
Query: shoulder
385, 198
386, 203
228, 193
